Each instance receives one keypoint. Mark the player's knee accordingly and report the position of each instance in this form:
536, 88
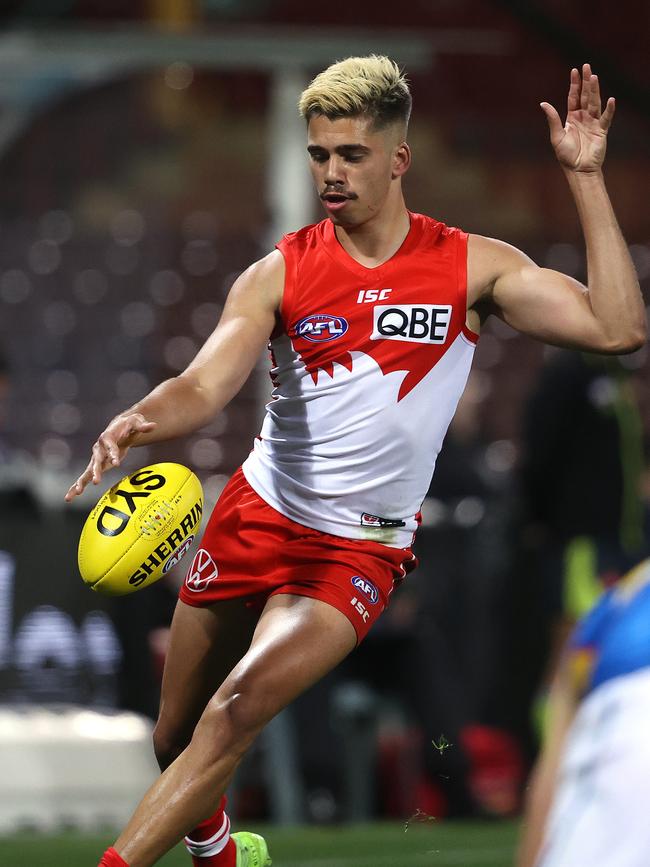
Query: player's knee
245, 713
241, 711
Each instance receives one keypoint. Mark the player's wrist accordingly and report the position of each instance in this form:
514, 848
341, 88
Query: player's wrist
587, 187
584, 176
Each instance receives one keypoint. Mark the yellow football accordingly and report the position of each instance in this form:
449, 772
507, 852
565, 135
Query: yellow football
140, 529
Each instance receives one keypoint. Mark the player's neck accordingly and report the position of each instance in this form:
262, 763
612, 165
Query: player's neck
376, 240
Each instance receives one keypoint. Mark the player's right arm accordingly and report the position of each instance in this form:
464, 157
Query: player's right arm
188, 401
563, 703
608, 315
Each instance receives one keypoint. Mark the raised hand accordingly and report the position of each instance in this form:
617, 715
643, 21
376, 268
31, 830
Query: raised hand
110, 449
581, 143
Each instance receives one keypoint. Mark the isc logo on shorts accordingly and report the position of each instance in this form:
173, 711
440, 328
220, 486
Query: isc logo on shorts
412, 323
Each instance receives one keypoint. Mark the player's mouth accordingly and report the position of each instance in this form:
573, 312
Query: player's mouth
336, 201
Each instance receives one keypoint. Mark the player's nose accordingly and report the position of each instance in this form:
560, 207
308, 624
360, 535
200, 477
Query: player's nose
334, 173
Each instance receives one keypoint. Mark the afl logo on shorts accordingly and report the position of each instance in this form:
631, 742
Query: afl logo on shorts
320, 327
367, 588
202, 571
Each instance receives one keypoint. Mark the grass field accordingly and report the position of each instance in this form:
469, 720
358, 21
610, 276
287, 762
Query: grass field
445, 844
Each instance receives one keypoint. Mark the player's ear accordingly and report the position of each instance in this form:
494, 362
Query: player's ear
401, 160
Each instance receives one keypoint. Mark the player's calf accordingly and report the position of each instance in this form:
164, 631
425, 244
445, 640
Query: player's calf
168, 744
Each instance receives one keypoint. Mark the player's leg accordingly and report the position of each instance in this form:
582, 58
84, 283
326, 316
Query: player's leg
205, 644
296, 642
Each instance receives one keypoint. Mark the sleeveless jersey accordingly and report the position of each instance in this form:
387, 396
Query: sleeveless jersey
368, 368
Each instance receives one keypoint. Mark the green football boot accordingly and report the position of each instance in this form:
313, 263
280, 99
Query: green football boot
252, 850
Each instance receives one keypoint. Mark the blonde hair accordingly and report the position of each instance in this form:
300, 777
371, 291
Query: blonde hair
372, 86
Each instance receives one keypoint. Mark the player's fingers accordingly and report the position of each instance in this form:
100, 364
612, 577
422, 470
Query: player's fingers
554, 122
108, 450
608, 115
128, 425
74, 491
586, 86
100, 461
96, 464
594, 96
79, 486
573, 100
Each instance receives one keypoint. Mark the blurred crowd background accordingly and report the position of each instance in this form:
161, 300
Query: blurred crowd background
149, 151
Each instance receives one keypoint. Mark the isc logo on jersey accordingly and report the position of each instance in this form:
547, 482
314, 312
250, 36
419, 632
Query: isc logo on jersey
320, 327
412, 323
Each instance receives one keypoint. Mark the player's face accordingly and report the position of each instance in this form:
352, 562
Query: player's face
354, 167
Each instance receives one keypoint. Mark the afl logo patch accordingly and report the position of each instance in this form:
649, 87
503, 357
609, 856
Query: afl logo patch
320, 327
365, 587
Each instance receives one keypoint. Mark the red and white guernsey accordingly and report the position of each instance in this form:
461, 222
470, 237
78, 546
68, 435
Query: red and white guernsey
368, 371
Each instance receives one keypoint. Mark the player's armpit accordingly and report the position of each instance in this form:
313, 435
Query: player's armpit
543, 303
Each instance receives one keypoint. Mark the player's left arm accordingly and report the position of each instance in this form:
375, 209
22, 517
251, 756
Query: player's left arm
607, 315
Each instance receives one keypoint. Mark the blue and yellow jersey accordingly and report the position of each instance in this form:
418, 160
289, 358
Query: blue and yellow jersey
614, 638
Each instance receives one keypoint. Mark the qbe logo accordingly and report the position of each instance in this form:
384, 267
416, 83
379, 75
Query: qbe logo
412, 323
320, 327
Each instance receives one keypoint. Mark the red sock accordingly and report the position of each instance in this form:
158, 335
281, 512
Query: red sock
209, 843
110, 858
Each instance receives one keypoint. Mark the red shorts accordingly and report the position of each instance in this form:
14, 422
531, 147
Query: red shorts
251, 551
